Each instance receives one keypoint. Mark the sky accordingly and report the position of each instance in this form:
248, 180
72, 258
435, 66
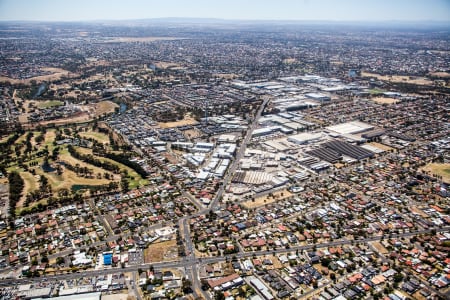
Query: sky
303, 10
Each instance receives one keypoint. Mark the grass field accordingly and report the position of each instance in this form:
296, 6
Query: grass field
98, 136
135, 180
67, 179
49, 103
440, 170
31, 183
103, 107
160, 251
376, 91
399, 78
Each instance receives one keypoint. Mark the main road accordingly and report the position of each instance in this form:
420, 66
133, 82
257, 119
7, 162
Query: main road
191, 262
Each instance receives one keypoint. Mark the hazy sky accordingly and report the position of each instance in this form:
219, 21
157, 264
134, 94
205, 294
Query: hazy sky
336, 10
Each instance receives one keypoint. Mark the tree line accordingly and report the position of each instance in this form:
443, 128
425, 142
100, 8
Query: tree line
120, 158
16, 185
90, 159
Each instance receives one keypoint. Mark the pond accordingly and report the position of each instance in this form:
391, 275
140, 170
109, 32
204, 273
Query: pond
79, 187
47, 168
123, 108
41, 89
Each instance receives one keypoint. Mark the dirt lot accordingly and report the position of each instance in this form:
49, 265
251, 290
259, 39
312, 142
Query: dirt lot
79, 118
165, 65
192, 133
89, 112
416, 210
385, 100
441, 74
186, 121
163, 251
276, 264
398, 78
266, 199
105, 107
117, 297
439, 169
380, 248
381, 146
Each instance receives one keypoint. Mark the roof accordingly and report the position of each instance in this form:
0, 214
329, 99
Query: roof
87, 296
217, 282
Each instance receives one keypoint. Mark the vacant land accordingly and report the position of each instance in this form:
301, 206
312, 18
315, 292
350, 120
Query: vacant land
98, 136
381, 146
77, 118
49, 103
376, 91
192, 133
385, 100
160, 252
276, 264
266, 199
186, 121
439, 170
105, 107
117, 297
399, 78
441, 74
55, 74
380, 248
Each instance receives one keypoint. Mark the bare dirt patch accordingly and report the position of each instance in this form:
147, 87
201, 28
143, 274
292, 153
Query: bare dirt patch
166, 65
105, 107
440, 74
439, 170
116, 297
186, 121
276, 263
163, 251
78, 118
266, 199
192, 133
418, 211
399, 78
381, 146
385, 100
380, 248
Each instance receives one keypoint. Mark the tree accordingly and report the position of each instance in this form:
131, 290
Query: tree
124, 185
60, 260
219, 296
186, 286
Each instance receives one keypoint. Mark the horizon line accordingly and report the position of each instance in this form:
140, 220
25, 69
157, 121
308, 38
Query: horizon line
229, 20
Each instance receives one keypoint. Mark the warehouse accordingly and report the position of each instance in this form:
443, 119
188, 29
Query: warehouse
304, 138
